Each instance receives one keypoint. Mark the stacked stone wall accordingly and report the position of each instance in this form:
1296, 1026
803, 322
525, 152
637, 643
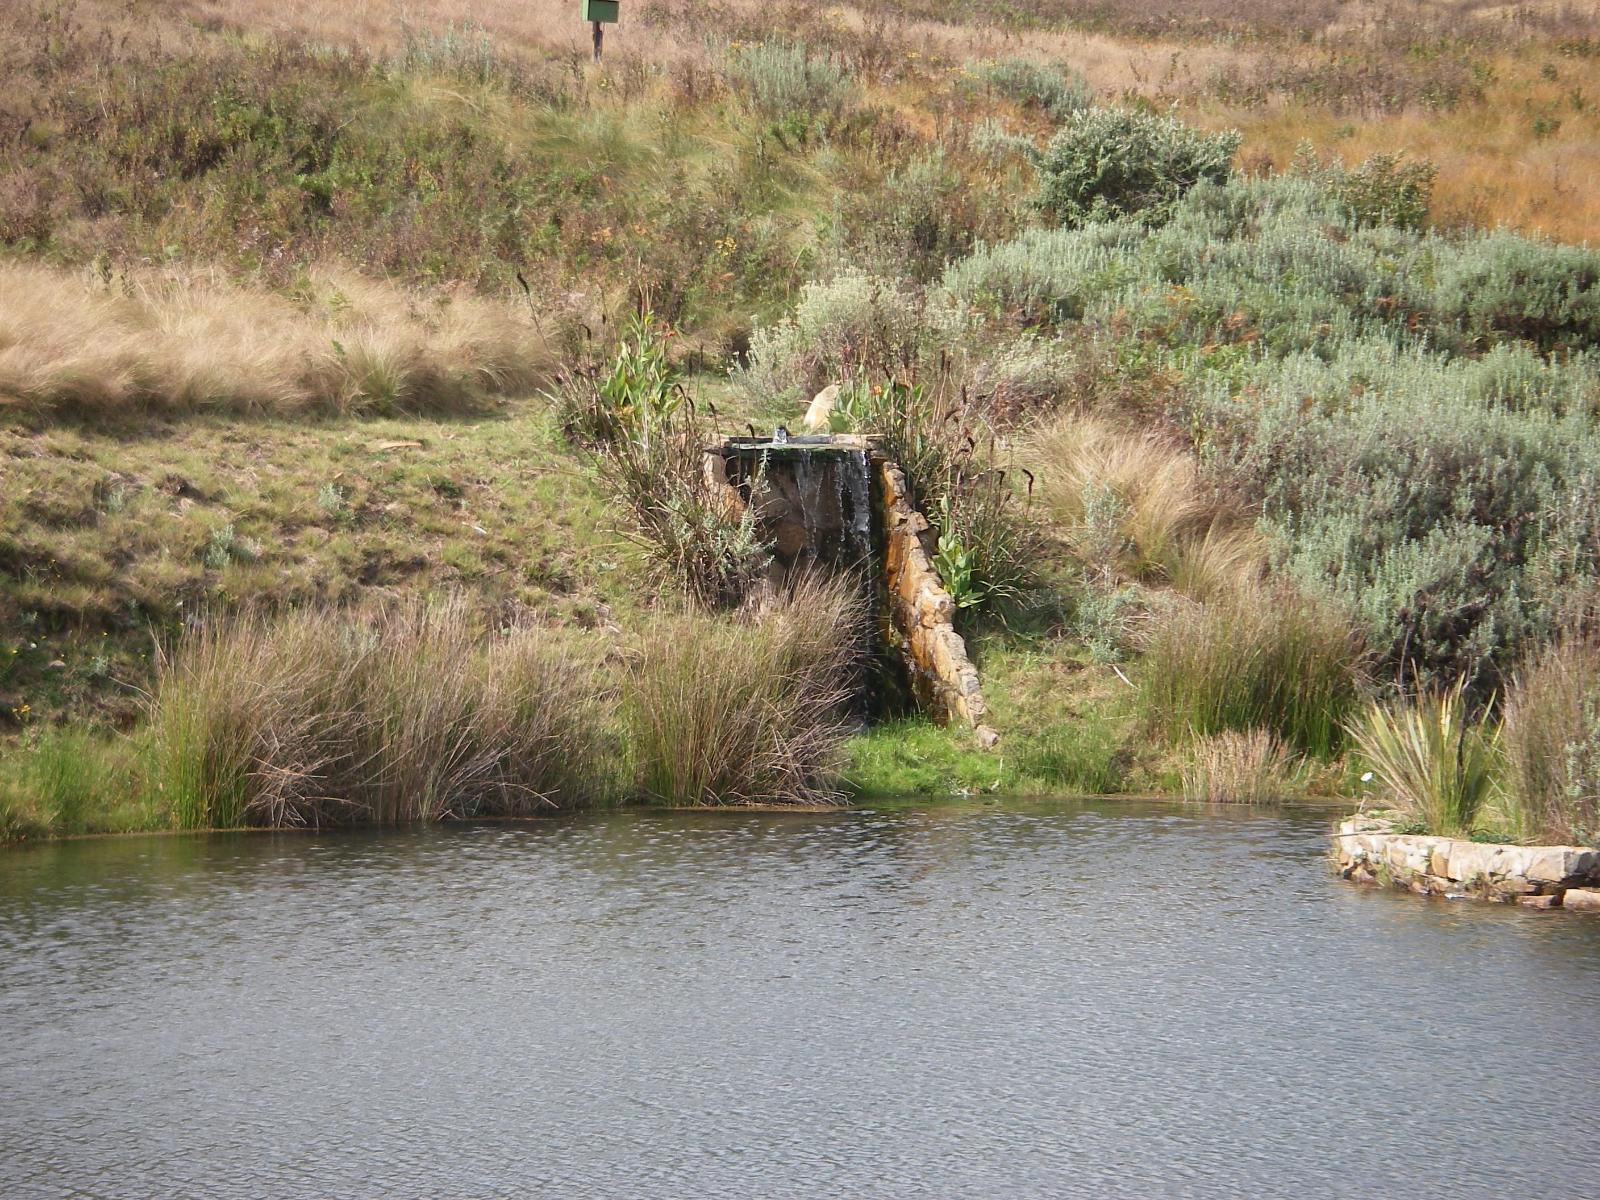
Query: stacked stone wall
1368, 850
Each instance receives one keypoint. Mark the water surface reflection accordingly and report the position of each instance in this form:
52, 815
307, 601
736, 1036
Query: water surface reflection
950, 1001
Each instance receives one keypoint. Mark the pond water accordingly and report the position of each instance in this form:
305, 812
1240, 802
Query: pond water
1062, 1000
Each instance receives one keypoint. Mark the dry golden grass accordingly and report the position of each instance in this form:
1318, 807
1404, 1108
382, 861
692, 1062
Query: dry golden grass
78, 343
1137, 507
1494, 169
1252, 767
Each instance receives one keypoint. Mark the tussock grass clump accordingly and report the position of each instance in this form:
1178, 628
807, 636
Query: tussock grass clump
1238, 767
748, 711
1434, 759
1136, 508
340, 345
1255, 658
1552, 742
318, 719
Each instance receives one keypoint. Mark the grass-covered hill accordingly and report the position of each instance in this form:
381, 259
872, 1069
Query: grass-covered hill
1230, 351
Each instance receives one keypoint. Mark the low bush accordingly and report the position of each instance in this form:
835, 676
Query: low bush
1106, 163
1044, 87
1452, 505
1254, 658
1552, 741
784, 80
853, 323
1433, 758
748, 711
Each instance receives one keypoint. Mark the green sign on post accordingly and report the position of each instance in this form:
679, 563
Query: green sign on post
601, 10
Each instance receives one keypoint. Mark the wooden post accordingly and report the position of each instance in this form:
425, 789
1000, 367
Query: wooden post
599, 37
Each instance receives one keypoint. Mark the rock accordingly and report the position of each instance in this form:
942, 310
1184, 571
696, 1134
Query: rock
1582, 899
1539, 901
988, 739
1469, 861
1510, 887
820, 412
55, 664
1553, 864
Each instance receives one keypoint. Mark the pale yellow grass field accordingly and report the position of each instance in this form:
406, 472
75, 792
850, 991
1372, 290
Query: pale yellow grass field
185, 341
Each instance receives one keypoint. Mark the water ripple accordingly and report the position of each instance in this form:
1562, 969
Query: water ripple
947, 1001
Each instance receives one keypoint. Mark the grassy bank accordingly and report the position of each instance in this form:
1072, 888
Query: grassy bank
1248, 415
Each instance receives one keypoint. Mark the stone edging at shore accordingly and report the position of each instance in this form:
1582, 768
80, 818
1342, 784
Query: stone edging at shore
1368, 850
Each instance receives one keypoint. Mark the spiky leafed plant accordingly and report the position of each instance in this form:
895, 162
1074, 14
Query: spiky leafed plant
1438, 761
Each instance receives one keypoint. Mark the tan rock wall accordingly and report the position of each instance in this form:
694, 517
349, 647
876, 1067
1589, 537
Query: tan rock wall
921, 614
1368, 850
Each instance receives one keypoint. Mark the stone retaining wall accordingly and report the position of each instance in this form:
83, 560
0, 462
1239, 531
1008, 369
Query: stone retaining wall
922, 613
1368, 850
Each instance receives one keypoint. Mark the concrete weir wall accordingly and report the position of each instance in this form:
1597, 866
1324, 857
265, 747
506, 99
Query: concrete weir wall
837, 503
1368, 850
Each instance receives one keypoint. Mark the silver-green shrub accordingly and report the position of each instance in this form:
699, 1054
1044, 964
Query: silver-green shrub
1453, 504
784, 79
1046, 87
1107, 162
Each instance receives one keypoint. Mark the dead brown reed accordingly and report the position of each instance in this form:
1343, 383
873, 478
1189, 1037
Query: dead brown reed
1233, 767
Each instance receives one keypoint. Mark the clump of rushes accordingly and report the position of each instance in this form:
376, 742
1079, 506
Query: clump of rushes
1255, 658
412, 714
1434, 759
750, 710
1552, 740
1250, 767
648, 443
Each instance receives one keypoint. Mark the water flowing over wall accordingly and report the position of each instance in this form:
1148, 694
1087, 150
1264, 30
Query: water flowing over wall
838, 504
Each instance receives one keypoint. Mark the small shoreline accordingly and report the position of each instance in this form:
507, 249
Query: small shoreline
861, 803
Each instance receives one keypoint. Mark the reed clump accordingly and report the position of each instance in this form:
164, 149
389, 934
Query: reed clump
749, 710
1238, 767
1552, 742
319, 719
1255, 658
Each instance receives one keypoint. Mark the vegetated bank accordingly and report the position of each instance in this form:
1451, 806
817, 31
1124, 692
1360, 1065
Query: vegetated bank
1218, 458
